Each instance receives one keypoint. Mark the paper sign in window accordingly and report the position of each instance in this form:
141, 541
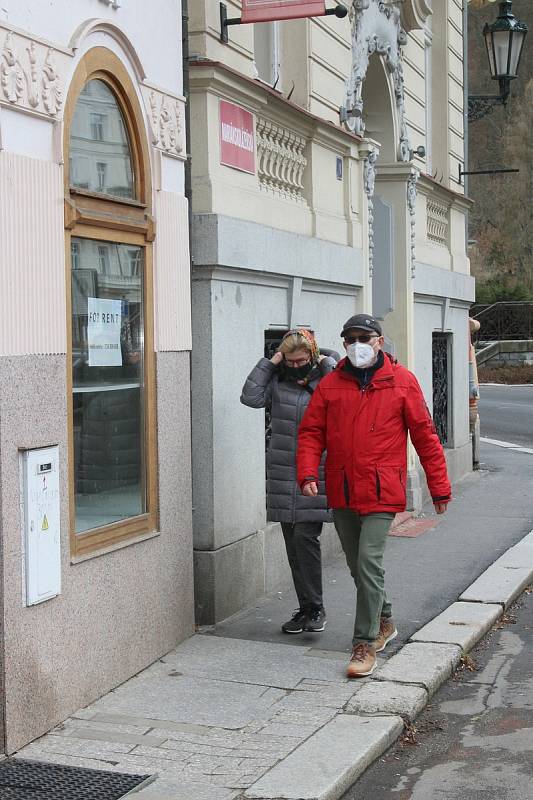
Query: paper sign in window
103, 332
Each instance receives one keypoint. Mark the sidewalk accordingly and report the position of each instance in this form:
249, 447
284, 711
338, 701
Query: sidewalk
242, 711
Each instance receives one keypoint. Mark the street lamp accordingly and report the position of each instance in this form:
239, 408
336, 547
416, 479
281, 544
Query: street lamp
504, 40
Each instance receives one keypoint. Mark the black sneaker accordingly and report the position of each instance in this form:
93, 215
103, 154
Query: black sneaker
296, 622
316, 621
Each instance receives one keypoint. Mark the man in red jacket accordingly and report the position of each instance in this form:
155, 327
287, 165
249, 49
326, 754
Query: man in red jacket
361, 414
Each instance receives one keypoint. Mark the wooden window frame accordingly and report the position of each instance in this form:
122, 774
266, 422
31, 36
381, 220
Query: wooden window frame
90, 215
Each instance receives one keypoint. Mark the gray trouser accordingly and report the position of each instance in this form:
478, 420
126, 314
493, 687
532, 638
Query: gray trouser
363, 540
303, 551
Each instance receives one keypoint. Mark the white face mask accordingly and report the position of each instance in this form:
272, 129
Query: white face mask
361, 355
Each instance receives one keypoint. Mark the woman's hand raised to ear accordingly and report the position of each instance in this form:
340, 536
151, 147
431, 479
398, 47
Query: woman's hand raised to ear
277, 358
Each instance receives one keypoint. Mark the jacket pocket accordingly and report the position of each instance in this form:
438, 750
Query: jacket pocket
335, 487
390, 490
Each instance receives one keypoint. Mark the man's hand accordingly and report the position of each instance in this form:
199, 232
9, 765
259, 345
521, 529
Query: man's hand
310, 489
440, 508
277, 358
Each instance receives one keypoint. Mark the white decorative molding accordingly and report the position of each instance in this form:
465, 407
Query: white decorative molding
96, 25
437, 221
166, 116
33, 78
376, 29
32, 73
415, 14
369, 179
411, 204
281, 161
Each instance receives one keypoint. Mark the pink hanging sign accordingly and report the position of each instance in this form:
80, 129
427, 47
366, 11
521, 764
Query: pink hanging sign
269, 10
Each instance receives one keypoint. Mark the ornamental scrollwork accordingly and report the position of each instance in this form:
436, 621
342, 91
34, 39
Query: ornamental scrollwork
369, 180
29, 77
411, 204
376, 30
166, 118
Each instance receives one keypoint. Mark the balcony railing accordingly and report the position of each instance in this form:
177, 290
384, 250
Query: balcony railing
504, 321
281, 161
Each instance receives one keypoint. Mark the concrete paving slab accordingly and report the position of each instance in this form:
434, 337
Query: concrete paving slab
100, 735
384, 697
499, 583
252, 662
462, 623
185, 699
186, 791
421, 663
324, 766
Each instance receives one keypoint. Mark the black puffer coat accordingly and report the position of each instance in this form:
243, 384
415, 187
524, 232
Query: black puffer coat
265, 387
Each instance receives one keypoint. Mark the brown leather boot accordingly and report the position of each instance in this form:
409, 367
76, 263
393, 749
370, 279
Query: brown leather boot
363, 661
387, 632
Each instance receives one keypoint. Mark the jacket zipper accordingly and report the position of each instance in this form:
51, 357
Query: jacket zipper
378, 486
298, 402
346, 489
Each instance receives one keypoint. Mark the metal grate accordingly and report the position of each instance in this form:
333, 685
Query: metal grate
440, 385
35, 780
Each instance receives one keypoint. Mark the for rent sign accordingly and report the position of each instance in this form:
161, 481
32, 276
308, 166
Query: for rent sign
237, 137
266, 10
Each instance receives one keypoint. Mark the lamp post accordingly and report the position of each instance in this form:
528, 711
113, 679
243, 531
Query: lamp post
504, 40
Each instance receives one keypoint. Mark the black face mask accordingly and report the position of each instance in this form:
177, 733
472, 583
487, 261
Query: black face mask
298, 373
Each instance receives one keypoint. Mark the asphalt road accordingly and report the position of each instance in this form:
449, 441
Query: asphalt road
506, 413
475, 739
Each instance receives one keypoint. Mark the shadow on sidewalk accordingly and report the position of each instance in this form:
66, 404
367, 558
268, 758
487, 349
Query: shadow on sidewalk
491, 511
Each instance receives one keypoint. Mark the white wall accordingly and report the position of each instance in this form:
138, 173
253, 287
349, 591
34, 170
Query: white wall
154, 28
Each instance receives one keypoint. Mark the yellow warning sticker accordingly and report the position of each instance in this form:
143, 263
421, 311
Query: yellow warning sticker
44, 526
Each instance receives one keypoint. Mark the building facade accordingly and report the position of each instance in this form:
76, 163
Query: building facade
96, 574
325, 181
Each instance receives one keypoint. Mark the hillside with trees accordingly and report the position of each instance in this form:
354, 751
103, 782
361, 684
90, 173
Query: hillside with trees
501, 222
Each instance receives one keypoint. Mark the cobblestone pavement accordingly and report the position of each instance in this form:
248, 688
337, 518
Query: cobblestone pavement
204, 761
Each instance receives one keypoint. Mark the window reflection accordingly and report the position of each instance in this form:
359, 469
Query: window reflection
108, 382
100, 155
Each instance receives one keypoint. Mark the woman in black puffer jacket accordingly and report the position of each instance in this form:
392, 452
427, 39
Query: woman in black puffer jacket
284, 384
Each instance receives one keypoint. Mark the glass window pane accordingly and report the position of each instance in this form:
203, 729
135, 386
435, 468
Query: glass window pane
100, 153
108, 382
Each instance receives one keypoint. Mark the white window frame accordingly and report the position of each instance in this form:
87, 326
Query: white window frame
275, 53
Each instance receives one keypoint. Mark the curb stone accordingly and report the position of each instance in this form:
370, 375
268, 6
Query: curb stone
324, 766
461, 623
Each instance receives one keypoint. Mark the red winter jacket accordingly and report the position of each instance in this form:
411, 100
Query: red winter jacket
365, 434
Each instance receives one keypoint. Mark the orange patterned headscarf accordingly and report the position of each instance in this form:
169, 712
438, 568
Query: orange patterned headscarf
309, 338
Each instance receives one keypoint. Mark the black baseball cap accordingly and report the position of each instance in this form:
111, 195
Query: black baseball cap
363, 322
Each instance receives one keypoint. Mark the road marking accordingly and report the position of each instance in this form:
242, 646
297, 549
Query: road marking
510, 385
509, 445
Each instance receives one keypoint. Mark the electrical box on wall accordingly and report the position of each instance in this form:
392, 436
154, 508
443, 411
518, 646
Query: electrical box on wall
41, 524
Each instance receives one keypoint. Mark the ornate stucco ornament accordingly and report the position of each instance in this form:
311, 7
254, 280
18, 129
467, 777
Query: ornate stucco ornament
376, 31
369, 179
166, 115
411, 204
29, 77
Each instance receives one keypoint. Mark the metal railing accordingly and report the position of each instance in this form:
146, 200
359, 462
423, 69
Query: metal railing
503, 321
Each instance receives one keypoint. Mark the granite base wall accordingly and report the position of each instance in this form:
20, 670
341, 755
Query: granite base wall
118, 612
236, 576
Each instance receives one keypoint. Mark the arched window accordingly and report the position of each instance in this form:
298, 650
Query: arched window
109, 232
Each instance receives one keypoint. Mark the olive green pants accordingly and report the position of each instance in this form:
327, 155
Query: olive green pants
363, 540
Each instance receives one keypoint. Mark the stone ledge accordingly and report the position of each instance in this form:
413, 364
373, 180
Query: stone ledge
384, 697
500, 583
462, 624
327, 764
420, 663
